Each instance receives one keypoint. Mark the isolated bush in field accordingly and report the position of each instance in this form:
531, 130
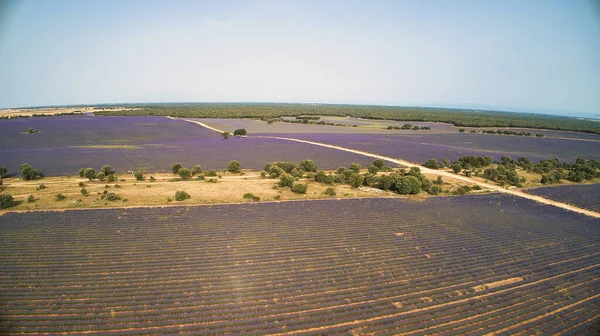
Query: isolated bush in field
32, 130
6, 201
373, 169
355, 167
299, 188
100, 176
152, 179
197, 169
356, 180
40, 187
30, 199
81, 172
462, 190
263, 174
435, 190
89, 173
432, 164
379, 163
81, 184
111, 196
212, 180
60, 197
225, 135
27, 172
110, 178
106, 169
308, 165
330, 192
439, 180
84, 191
175, 167
251, 197
239, 132
456, 168
184, 173
233, 166
210, 173
2, 171
181, 195
286, 180
139, 175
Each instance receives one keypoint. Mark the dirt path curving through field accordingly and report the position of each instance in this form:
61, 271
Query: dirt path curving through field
425, 170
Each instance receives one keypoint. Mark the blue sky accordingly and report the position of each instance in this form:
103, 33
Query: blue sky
536, 55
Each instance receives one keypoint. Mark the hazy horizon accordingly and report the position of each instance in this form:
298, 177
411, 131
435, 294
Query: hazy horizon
532, 57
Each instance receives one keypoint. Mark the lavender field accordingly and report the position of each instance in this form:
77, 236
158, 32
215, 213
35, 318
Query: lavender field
586, 196
445, 265
421, 147
65, 144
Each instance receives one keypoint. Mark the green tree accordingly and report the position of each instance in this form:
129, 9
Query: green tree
175, 167
27, 172
2, 171
184, 173
356, 180
379, 163
355, 167
373, 169
89, 173
239, 132
456, 168
81, 172
139, 175
409, 185
432, 164
225, 135
286, 180
6, 201
299, 188
111, 178
320, 176
435, 190
100, 176
197, 169
385, 182
233, 166
308, 165
106, 169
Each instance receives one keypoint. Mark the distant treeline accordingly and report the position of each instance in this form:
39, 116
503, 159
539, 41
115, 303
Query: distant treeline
470, 118
42, 115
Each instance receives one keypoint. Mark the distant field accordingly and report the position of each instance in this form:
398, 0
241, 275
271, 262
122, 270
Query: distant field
65, 144
445, 265
423, 146
584, 196
474, 118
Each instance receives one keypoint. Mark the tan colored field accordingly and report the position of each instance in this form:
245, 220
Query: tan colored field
56, 110
228, 189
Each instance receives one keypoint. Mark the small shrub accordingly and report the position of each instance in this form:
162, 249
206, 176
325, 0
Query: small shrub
477, 187
330, 191
81, 172
60, 197
210, 173
117, 186
200, 177
124, 200
181, 195
111, 196
263, 174
111, 178
6, 201
27, 172
278, 197
106, 186
84, 191
435, 190
30, 199
197, 169
89, 173
41, 187
2, 171
139, 175
373, 169
152, 179
248, 195
299, 188
81, 184
169, 199
106, 169
212, 180
100, 176
355, 167
310, 175
286, 180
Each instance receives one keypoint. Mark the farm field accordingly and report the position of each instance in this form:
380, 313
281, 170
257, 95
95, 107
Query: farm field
421, 147
444, 265
586, 196
65, 144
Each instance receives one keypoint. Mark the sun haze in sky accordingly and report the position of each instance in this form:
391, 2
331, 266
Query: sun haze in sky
539, 56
